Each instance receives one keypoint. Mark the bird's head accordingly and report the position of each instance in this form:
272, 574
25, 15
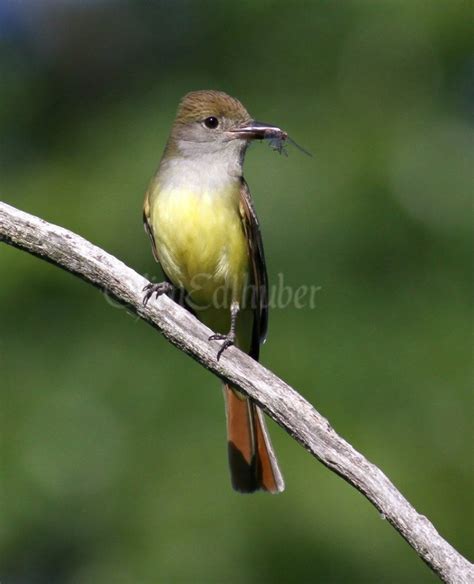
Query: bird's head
212, 122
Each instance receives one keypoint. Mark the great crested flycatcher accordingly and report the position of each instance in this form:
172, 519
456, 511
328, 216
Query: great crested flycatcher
205, 234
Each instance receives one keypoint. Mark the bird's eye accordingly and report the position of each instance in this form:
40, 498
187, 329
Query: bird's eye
211, 122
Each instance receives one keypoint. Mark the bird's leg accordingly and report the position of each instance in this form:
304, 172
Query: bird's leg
157, 289
229, 338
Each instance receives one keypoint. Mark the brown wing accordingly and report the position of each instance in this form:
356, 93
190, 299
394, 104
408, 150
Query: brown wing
147, 224
258, 269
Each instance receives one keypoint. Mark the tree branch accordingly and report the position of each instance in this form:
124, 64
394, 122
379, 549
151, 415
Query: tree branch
282, 403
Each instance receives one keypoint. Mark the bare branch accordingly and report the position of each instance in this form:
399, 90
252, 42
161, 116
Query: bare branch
282, 403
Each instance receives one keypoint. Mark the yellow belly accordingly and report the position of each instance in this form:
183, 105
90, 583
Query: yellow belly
201, 244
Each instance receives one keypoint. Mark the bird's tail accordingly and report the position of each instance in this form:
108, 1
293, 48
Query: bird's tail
253, 464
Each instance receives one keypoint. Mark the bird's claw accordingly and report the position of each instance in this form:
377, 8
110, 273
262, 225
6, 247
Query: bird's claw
157, 289
229, 340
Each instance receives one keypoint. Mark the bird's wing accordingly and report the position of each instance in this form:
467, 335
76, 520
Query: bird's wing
147, 223
258, 269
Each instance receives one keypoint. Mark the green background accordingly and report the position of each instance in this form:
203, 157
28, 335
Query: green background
113, 453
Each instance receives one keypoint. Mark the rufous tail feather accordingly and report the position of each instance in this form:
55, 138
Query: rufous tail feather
253, 464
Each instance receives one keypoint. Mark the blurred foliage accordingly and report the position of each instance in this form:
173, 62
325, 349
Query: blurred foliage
113, 451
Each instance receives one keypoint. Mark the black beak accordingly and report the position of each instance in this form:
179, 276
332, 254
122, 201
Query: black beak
254, 130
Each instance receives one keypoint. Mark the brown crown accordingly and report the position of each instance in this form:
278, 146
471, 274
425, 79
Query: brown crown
199, 105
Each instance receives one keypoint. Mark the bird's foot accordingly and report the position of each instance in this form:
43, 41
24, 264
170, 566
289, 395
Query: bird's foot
157, 289
228, 339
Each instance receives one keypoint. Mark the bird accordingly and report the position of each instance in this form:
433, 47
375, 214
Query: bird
204, 231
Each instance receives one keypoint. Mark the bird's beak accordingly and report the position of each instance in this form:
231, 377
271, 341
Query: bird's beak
254, 130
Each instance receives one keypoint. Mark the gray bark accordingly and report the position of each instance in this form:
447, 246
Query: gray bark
281, 402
